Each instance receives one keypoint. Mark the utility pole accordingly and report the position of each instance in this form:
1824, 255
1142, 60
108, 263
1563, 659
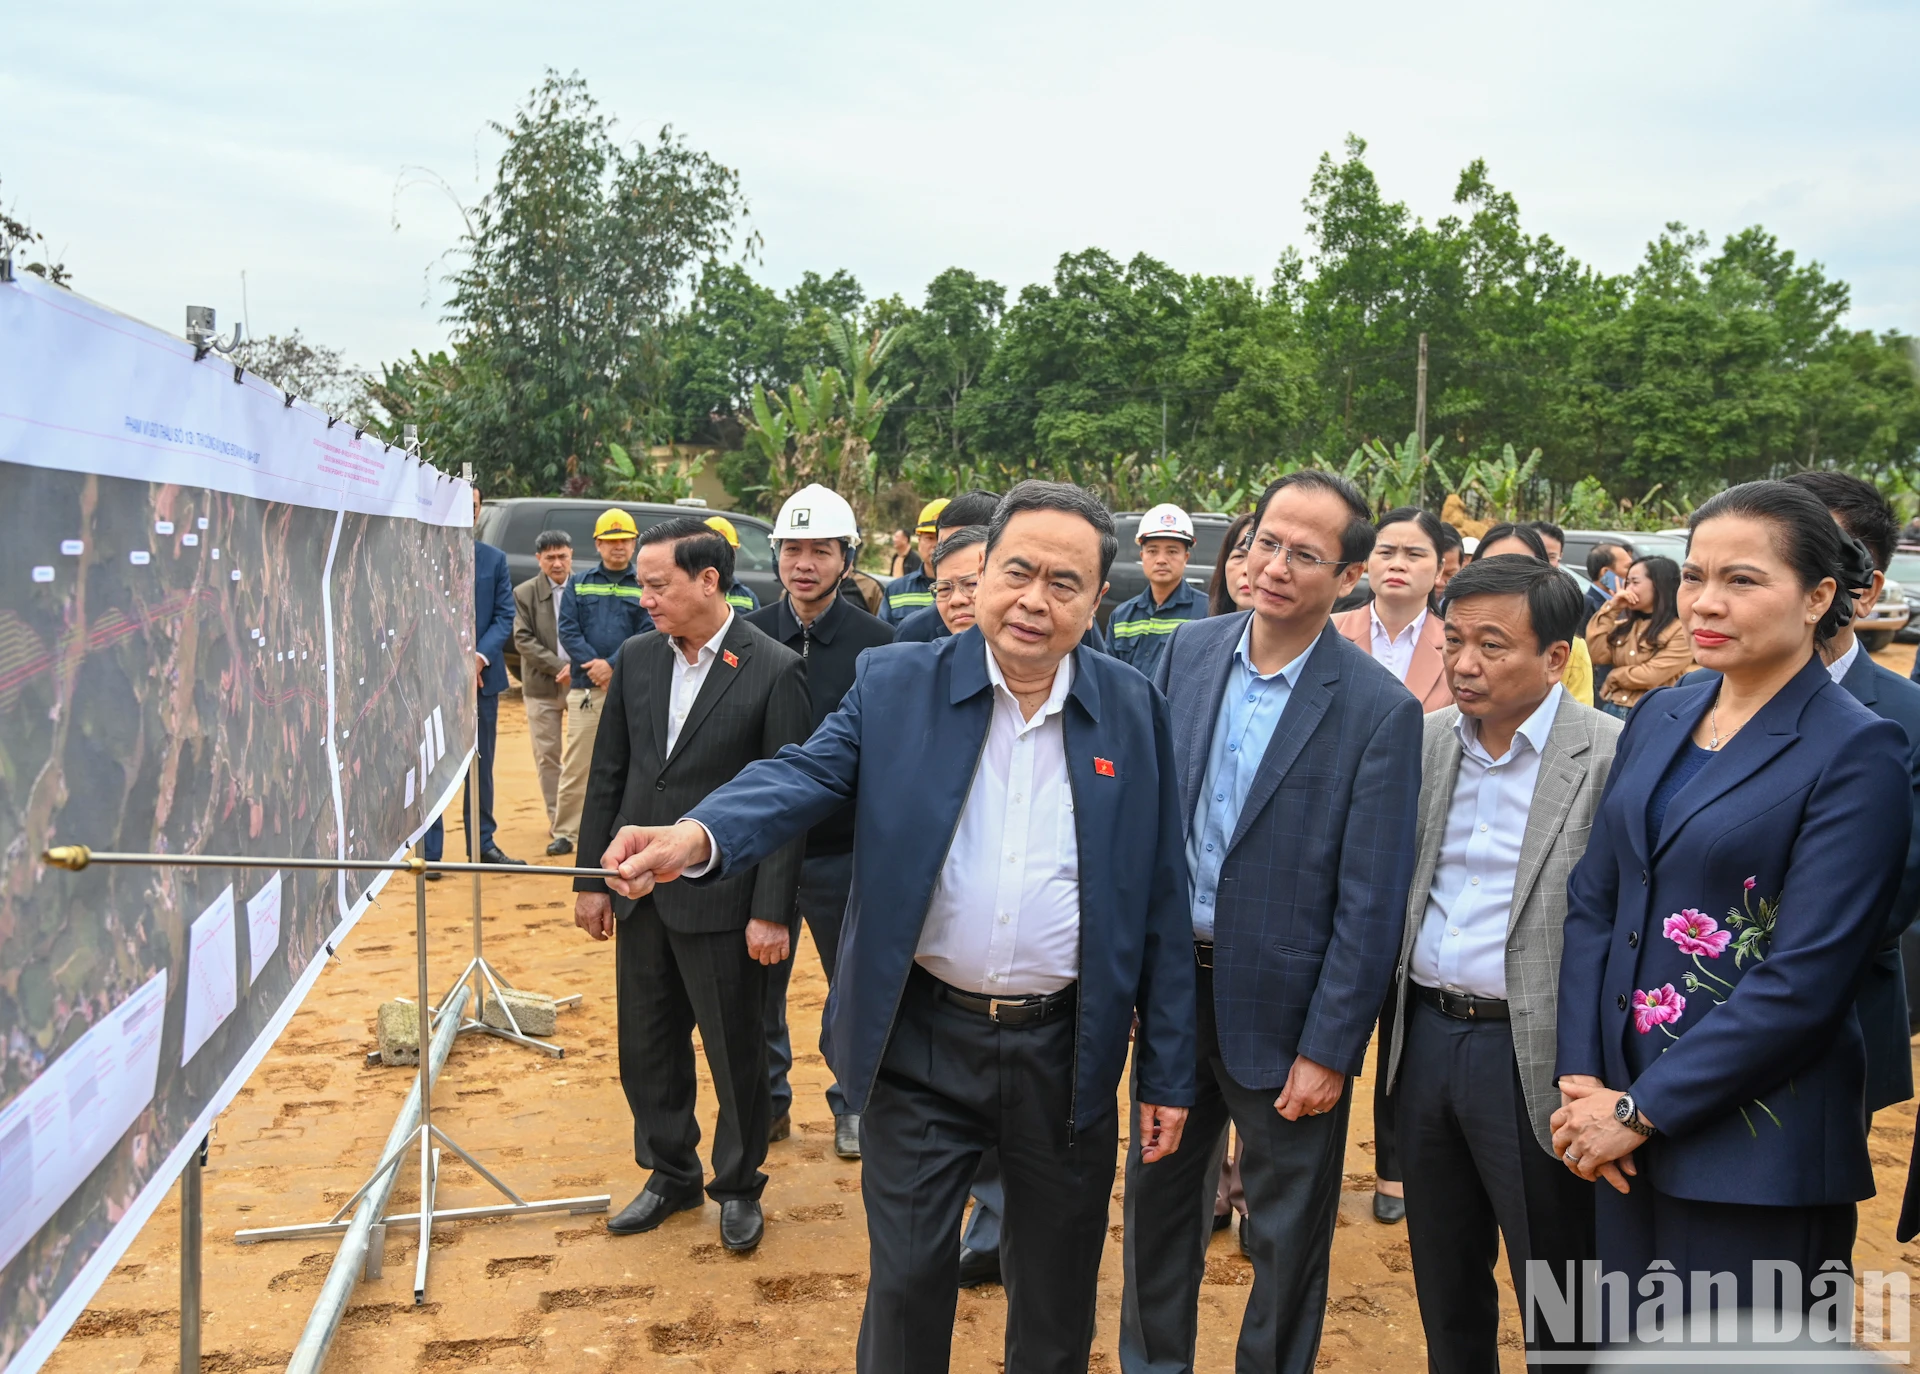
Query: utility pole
1420, 396
1163, 430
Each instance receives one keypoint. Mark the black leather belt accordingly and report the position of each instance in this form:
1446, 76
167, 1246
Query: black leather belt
1460, 1006
1009, 1011
1203, 953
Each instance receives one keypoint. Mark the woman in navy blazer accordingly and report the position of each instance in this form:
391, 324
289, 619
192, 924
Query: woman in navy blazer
1741, 869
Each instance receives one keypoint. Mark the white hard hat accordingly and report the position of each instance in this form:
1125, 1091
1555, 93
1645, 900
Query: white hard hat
1166, 521
816, 512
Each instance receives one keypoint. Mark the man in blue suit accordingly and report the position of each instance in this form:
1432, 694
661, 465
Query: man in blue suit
492, 626
1019, 895
1300, 760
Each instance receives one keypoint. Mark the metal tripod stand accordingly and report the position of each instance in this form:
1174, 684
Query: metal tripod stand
485, 979
426, 1137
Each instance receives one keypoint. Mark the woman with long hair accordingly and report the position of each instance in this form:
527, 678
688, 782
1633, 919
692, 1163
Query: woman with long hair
1229, 590
1742, 868
1638, 636
1397, 627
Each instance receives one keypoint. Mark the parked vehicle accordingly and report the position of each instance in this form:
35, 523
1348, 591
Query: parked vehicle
513, 524
1904, 573
1644, 543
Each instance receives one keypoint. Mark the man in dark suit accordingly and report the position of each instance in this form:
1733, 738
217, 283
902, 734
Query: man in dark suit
492, 624
1019, 892
687, 708
1300, 759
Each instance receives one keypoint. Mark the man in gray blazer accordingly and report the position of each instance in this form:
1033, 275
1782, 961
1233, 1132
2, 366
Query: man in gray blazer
687, 708
1510, 777
544, 670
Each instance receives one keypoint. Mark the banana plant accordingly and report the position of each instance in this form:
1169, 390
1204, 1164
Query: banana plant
1503, 484
630, 481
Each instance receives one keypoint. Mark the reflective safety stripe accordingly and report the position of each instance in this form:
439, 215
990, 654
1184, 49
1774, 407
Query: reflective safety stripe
626, 589
911, 599
741, 603
1132, 629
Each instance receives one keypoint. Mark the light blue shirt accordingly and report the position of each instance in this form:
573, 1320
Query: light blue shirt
1250, 711
1462, 945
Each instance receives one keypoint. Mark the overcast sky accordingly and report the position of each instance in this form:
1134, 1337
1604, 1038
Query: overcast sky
164, 149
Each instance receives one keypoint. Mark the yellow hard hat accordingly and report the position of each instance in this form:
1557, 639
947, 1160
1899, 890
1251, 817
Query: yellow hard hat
930, 516
725, 527
615, 524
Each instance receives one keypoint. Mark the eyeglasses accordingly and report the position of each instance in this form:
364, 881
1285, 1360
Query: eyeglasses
943, 589
1273, 548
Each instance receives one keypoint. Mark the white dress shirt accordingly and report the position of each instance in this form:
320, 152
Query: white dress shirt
1395, 652
1462, 945
688, 679
1005, 914
1838, 668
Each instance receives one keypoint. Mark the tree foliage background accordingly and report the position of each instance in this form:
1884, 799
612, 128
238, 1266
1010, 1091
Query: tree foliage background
603, 306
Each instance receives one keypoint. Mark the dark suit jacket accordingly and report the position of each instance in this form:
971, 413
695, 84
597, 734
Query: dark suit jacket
1758, 1086
1882, 1003
903, 747
536, 637
746, 710
1313, 893
492, 615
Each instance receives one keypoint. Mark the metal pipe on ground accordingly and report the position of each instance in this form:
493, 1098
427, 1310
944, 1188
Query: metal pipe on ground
324, 1322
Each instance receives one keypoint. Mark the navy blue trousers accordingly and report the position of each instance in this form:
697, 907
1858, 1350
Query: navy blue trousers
483, 766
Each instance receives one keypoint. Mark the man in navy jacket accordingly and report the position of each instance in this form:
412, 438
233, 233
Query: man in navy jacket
1019, 894
1300, 759
492, 626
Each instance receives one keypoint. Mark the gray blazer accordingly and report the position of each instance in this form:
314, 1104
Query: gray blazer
1573, 774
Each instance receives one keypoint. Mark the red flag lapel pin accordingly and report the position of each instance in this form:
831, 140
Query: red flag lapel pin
727, 656
1104, 767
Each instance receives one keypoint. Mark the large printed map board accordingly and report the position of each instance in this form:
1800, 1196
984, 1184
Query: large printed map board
227, 626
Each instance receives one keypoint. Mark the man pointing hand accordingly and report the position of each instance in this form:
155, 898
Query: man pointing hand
1019, 895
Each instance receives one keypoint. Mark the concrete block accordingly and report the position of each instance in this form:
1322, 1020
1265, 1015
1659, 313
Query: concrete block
399, 1029
535, 1012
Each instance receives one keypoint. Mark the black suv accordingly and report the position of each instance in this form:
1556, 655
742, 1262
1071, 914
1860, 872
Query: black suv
512, 525
1128, 579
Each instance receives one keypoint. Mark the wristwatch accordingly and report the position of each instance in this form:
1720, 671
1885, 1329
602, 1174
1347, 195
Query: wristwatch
1628, 1115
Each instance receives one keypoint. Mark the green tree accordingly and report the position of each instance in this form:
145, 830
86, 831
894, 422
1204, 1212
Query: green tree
567, 274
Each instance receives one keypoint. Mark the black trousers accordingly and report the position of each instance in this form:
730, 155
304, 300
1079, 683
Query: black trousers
1291, 1173
1386, 1135
951, 1085
1475, 1171
668, 983
486, 732
1646, 1226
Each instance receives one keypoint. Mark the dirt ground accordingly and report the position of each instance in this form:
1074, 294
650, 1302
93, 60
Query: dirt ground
558, 1291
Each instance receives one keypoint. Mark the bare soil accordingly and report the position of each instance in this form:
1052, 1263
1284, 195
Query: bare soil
540, 1293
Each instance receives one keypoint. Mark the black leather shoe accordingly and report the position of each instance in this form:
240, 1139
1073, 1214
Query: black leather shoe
1242, 1234
649, 1210
494, 856
434, 875
1389, 1210
978, 1267
560, 846
1222, 1220
741, 1224
846, 1135
781, 1128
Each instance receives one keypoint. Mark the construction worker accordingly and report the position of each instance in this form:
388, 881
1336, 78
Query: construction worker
814, 538
599, 611
1139, 628
741, 598
914, 592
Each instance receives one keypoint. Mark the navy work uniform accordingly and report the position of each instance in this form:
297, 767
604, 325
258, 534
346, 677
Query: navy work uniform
1139, 629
